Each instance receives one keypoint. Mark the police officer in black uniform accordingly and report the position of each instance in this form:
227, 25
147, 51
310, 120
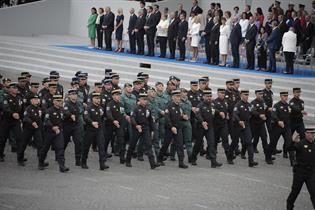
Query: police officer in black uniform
173, 114
115, 115
45, 89
280, 126
53, 134
304, 169
33, 91
241, 117
32, 128
71, 126
94, 119
142, 122
221, 122
11, 119
47, 99
297, 112
205, 116
257, 121
54, 77
268, 98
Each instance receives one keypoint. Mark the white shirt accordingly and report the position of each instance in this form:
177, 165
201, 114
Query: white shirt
162, 28
289, 42
244, 25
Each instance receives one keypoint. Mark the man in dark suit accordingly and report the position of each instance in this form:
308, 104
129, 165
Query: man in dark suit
157, 14
248, 12
268, 27
207, 34
150, 30
108, 27
172, 35
142, 6
132, 36
236, 39
139, 32
182, 36
99, 29
307, 35
195, 8
250, 41
214, 41
297, 27
283, 27
273, 43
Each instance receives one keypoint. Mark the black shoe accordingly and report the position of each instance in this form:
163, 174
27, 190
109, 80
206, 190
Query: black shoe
277, 151
285, 155
161, 163
252, 164
181, 59
84, 165
63, 169
215, 164
128, 164
1, 159
182, 165
13, 149
269, 161
230, 161
94, 149
21, 163
193, 162
237, 152
154, 165
122, 161
103, 166
164, 158
41, 166
273, 158
77, 163
256, 151
109, 155
140, 158
243, 157
202, 152
172, 158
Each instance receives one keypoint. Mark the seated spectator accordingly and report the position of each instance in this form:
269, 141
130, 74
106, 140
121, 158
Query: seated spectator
289, 40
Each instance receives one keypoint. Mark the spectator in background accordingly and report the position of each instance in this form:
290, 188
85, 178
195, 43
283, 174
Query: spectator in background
119, 30
244, 25
276, 7
302, 14
180, 10
214, 41
236, 12
225, 31
282, 25
99, 30
172, 34
182, 36
307, 35
218, 8
261, 16
275, 13
212, 8
250, 43
142, 6
92, 27
248, 12
268, 27
162, 28
262, 49
228, 18
150, 30
195, 38
108, 28
166, 14
289, 41
257, 20
297, 27
206, 34
288, 13
236, 39
195, 8
131, 31
139, 31
273, 42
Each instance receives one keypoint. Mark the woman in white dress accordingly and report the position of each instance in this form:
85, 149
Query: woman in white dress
225, 31
195, 37
161, 32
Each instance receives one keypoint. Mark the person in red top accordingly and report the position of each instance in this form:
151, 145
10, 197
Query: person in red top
302, 14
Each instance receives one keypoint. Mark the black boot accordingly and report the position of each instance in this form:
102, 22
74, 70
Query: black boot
103, 166
41, 165
215, 164
63, 168
182, 165
252, 163
77, 162
21, 163
84, 165
122, 158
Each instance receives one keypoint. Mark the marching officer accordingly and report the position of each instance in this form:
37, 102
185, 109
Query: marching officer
71, 124
281, 126
22, 86
205, 116
241, 117
304, 169
94, 119
268, 98
142, 124
45, 89
297, 112
257, 121
53, 134
11, 118
54, 77
174, 114
116, 115
32, 128
33, 91
47, 99
221, 122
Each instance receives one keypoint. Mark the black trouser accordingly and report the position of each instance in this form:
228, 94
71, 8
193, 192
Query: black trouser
163, 44
111, 132
222, 132
259, 131
88, 139
275, 135
140, 43
269, 123
132, 42
50, 138
182, 48
246, 138
74, 131
145, 137
236, 55
28, 133
250, 56
301, 176
100, 36
208, 49
262, 58
289, 60
177, 139
272, 60
172, 46
6, 127
214, 53
108, 39
298, 126
150, 43
209, 134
